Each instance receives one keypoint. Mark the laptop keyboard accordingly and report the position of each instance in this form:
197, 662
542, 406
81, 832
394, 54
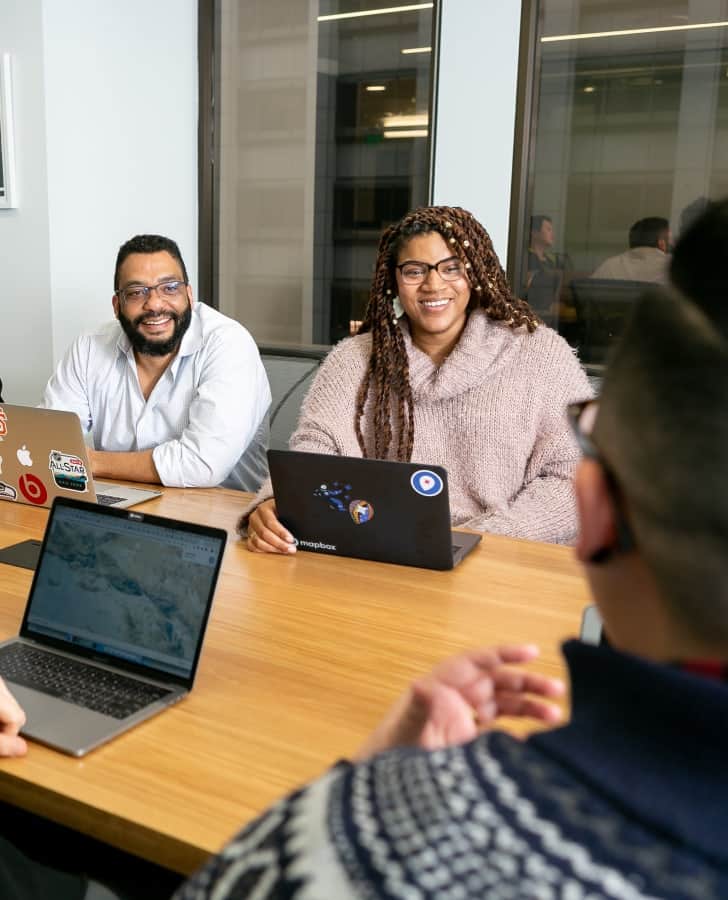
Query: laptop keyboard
76, 682
108, 499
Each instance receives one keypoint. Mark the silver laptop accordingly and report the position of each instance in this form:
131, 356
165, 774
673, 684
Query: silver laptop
113, 626
43, 456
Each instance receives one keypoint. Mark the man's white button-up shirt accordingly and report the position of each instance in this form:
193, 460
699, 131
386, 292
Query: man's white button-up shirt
206, 418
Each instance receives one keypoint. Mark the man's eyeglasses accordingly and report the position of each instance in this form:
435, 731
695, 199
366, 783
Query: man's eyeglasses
140, 293
582, 417
415, 272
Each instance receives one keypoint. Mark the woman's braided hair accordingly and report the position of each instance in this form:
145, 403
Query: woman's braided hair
386, 380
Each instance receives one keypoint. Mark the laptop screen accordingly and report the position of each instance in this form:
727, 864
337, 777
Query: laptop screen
129, 587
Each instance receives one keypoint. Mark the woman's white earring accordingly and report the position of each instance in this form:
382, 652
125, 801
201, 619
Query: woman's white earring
397, 307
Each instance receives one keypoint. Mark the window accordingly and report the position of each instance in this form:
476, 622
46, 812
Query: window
627, 140
322, 139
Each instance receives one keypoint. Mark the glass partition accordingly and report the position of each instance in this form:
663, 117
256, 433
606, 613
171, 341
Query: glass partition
628, 141
323, 139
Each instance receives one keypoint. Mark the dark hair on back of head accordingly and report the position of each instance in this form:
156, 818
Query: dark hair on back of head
663, 430
698, 265
647, 232
148, 243
386, 384
537, 222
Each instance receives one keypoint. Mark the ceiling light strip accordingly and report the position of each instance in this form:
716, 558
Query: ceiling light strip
416, 50
630, 31
376, 12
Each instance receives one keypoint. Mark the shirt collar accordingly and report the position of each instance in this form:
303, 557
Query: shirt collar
651, 737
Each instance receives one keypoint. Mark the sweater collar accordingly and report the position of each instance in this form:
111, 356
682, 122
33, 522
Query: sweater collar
653, 738
484, 346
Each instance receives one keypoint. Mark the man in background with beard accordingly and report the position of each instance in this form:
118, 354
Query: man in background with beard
172, 391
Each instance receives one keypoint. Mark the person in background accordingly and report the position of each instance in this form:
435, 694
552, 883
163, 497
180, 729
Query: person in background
540, 247
449, 368
630, 798
648, 257
545, 270
172, 391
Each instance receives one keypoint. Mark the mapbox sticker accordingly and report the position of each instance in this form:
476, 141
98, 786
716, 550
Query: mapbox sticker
426, 483
68, 471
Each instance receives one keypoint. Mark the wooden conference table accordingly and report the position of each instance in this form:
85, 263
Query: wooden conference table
302, 656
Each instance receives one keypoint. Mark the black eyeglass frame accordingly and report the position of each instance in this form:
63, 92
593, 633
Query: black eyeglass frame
625, 536
462, 273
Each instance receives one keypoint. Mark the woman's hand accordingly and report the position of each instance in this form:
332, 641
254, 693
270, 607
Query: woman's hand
265, 532
463, 696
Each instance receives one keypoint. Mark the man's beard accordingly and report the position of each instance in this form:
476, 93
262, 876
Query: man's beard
151, 347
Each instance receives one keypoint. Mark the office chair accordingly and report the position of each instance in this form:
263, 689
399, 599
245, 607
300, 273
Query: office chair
603, 307
290, 372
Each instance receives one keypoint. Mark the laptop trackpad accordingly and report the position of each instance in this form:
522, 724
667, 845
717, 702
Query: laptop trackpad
59, 724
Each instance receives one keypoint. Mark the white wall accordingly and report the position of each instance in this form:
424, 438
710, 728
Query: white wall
476, 111
25, 314
89, 76
121, 120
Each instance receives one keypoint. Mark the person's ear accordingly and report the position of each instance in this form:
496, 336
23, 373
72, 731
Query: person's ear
189, 294
597, 520
663, 244
115, 304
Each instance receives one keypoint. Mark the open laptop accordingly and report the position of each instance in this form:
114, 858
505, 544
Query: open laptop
43, 456
114, 623
374, 509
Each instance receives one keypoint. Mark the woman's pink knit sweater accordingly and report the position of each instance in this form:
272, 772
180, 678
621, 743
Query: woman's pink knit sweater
494, 414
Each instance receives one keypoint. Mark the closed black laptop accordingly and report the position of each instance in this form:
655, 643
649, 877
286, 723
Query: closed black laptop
393, 512
113, 627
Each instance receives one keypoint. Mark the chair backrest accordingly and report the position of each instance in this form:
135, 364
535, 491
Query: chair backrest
603, 307
290, 373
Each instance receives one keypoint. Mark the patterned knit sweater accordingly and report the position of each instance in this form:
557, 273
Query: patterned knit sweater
630, 800
493, 414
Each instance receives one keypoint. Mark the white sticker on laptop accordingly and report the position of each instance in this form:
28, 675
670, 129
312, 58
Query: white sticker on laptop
68, 471
426, 483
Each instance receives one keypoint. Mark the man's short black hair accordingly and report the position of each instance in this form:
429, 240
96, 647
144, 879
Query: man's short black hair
647, 232
537, 222
148, 243
698, 267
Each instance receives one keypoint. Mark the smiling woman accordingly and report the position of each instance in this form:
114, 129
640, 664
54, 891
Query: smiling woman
449, 367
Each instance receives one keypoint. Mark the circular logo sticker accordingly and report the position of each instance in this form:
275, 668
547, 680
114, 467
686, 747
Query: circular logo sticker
361, 511
426, 483
33, 489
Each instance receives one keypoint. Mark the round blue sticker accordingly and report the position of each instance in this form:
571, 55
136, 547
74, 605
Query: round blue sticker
426, 483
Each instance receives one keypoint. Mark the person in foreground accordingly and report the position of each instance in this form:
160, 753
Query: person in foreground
628, 800
22, 878
448, 368
172, 391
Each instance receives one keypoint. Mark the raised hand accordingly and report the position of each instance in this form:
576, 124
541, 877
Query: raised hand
464, 695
